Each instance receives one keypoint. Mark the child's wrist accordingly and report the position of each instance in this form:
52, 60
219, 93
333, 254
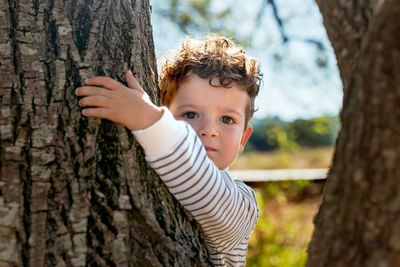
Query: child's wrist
162, 136
148, 117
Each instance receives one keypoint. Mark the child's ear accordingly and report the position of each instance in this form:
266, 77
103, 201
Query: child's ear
245, 137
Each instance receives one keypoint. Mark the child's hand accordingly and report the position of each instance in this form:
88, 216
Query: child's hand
106, 98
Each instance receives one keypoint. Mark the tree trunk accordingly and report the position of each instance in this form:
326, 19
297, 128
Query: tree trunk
346, 23
77, 191
359, 220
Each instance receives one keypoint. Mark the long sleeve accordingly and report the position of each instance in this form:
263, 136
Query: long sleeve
225, 209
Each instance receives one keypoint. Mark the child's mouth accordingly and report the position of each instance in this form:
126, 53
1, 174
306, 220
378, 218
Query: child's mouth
209, 148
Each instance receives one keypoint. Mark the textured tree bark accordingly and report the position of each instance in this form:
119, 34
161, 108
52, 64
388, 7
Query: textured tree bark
77, 191
346, 23
358, 223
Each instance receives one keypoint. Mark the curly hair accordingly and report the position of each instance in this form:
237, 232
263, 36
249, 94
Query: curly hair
215, 57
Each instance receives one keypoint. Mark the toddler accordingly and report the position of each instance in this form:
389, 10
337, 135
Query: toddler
207, 92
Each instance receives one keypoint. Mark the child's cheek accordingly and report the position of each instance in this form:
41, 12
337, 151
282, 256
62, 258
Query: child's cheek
192, 123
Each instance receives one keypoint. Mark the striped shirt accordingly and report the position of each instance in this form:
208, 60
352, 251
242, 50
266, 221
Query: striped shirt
225, 209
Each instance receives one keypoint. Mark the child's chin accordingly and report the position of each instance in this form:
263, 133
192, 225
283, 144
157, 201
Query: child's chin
221, 167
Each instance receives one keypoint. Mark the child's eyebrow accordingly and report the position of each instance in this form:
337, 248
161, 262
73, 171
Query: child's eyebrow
231, 110
225, 109
186, 106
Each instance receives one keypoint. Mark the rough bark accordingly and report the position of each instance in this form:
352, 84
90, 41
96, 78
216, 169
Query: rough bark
346, 23
358, 223
77, 191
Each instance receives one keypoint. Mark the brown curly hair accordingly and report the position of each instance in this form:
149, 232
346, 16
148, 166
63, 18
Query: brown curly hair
215, 57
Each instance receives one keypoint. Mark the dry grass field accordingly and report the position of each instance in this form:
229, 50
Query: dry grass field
302, 158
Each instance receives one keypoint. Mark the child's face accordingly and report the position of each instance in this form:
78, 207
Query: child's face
217, 114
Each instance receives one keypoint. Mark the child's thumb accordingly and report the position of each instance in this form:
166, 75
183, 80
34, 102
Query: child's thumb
132, 82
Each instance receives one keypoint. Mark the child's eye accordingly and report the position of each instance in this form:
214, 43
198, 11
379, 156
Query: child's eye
190, 115
227, 120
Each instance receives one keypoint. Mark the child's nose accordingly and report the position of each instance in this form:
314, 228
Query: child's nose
208, 129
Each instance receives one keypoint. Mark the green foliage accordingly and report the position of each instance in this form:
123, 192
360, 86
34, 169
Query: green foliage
284, 228
273, 133
283, 189
320, 131
280, 136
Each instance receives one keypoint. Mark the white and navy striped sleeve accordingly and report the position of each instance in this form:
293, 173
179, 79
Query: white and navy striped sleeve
225, 209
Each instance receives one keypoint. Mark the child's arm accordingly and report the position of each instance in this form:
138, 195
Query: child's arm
226, 209
106, 98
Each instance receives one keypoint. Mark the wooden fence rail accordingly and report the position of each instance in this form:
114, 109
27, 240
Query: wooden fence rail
278, 175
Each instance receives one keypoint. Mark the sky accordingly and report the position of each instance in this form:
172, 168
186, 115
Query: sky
293, 87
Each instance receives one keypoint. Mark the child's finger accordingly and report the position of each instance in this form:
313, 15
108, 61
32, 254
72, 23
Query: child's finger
96, 112
93, 101
91, 90
105, 82
132, 82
